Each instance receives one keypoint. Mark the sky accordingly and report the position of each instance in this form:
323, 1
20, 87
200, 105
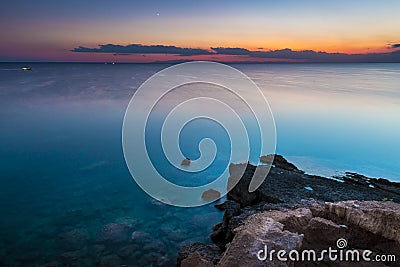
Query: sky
246, 31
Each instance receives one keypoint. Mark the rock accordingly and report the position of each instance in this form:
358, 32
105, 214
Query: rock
229, 206
222, 232
354, 178
197, 260
294, 220
73, 240
238, 184
185, 162
114, 233
323, 231
210, 195
256, 233
283, 213
368, 225
377, 217
285, 184
210, 253
279, 162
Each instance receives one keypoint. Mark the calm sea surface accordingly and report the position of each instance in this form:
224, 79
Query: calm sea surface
62, 167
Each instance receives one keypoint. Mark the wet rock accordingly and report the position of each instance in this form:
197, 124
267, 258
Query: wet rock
222, 232
211, 195
73, 240
279, 162
196, 259
354, 178
114, 233
229, 206
239, 182
288, 186
210, 253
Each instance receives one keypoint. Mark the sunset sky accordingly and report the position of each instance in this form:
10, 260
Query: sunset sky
48, 30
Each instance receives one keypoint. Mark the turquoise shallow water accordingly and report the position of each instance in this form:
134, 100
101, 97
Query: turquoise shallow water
62, 166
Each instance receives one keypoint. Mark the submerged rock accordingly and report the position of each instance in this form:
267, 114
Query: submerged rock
207, 219
114, 233
73, 240
140, 237
129, 251
110, 261
185, 162
52, 264
76, 258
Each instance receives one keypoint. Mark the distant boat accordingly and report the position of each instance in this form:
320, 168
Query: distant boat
26, 68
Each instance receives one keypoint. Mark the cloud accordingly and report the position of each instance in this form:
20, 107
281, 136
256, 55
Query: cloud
286, 54
231, 51
320, 57
142, 49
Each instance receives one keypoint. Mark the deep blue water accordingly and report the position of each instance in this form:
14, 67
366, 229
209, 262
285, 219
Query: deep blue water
62, 166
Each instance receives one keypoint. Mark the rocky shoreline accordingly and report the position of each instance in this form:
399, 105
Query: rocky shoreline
292, 210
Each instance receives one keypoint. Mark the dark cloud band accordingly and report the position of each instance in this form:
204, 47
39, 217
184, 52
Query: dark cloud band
284, 54
142, 49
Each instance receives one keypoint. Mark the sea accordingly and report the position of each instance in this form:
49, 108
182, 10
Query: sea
64, 179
